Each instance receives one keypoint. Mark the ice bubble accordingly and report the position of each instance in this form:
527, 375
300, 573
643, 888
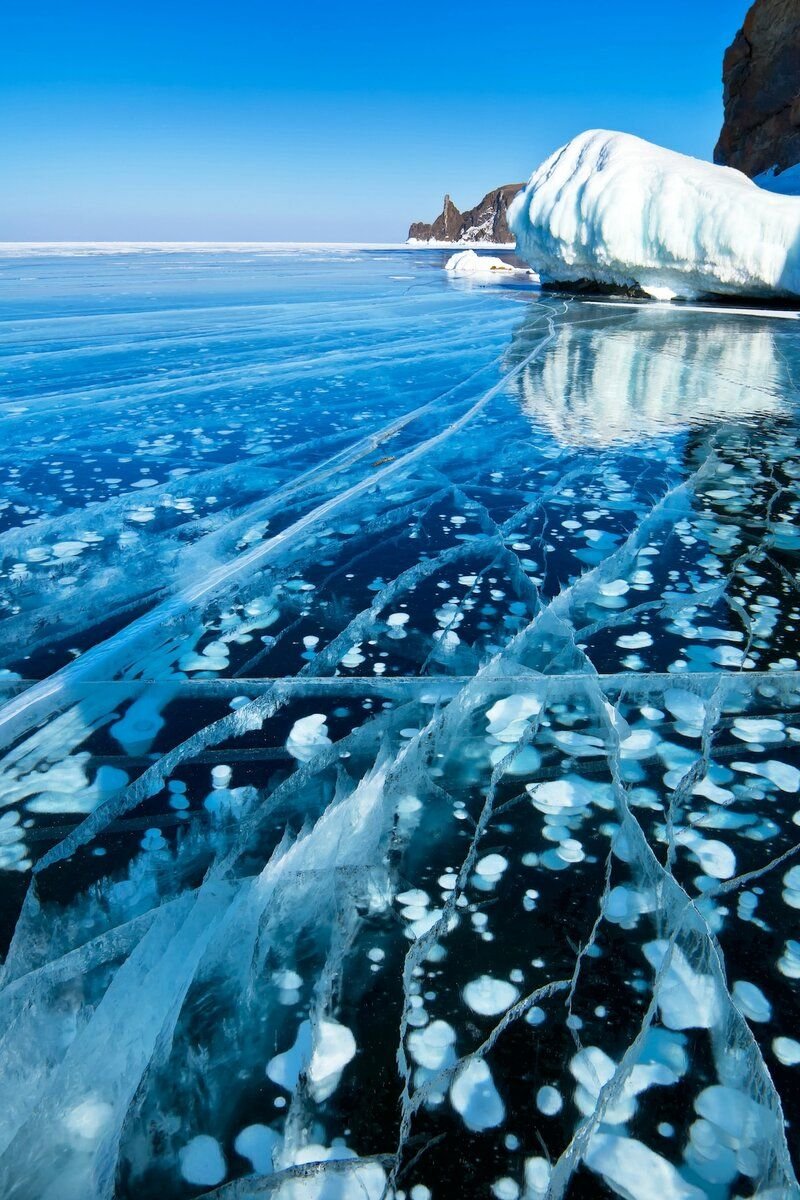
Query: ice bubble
491, 866
307, 737
334, 1047
353, 658
475, 1097
153, 840
784, 776
433, 1046
634, 1170
508, 719
758, 729
688, 709
625, 905
505, 1189
787, 1051
221, 775
789, 963
559, 797
593, 1068
639, 744
548, 1100
202, 1161
488, 996
537, 1178
287, 981
751, 1001
413, 898
578, 745
687, 999
716, 859
741, 1119
791, 887
635, 641
285, 1068
258, 1144
89, 1119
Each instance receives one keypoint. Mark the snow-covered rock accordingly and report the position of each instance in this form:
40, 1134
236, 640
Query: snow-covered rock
614, 209
467, 262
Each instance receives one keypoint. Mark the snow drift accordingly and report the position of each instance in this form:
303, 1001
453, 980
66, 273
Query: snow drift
467, 262
614, 209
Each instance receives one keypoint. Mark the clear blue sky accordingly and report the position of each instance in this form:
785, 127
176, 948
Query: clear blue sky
336, 121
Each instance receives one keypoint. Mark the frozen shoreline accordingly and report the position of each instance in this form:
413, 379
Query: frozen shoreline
77, 249
610, 208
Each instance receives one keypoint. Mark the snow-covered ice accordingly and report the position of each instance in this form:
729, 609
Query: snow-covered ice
614, 209
467, 262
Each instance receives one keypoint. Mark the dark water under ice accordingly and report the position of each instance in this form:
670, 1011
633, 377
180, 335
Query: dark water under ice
400, 723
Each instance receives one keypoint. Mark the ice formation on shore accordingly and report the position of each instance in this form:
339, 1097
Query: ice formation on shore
616, 210
467, 262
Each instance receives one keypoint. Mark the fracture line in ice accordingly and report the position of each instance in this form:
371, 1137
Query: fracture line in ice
41, 698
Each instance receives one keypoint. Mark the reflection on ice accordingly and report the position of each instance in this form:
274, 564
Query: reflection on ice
420, 818
655, 372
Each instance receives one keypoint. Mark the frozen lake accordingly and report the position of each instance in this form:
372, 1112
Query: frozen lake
400, 734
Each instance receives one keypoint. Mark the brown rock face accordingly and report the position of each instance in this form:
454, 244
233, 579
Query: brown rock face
486, 222
761, 79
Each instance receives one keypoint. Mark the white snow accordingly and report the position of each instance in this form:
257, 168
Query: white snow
615, 209
467, 262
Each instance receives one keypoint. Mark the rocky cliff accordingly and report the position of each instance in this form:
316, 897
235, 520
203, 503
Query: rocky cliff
761, 79
486, 222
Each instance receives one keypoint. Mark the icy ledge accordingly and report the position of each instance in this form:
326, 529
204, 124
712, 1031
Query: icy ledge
614, 209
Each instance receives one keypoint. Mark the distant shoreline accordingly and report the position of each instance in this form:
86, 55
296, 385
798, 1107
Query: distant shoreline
78, 248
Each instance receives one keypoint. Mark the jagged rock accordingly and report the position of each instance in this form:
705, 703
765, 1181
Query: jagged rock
486, 222
761, 78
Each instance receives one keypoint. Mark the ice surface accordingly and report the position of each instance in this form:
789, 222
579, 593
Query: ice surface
399, 796
614, 209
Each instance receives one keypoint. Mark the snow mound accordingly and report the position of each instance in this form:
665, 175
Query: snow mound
467, 262
614, 209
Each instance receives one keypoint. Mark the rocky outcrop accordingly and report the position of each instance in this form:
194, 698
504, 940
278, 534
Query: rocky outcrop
486, 222
761, 79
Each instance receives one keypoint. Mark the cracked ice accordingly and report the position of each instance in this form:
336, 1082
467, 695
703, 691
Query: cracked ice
400, 731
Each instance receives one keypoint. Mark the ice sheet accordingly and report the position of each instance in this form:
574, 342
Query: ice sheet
418, 816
